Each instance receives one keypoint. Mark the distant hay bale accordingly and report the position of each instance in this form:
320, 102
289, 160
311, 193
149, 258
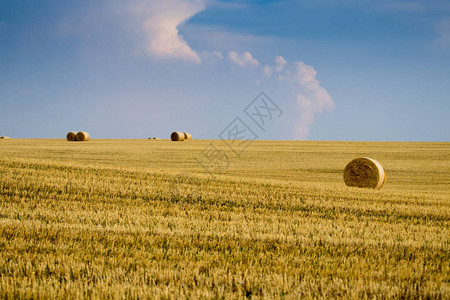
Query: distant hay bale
71, 136
5, 138
156, 138
177, 136
82, 136
187, 136
364, 172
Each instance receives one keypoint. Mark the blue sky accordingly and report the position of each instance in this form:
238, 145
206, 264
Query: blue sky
340, 70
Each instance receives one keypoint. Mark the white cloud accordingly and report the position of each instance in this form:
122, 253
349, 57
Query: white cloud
312, 100
211, 56
267, 71
161, 20
311, 97
218, 54
443, 31
280, 63
243, 60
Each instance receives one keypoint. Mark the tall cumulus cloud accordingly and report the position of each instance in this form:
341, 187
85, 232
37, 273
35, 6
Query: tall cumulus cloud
161, 20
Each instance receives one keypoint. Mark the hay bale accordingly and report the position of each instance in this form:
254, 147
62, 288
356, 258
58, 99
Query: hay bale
5, 138
177, 136
187, 136
364, 172
71, 136
82, 136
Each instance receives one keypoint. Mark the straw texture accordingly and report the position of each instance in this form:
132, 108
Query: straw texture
71, 136
364, 172
82, 136
187, 136
177, 136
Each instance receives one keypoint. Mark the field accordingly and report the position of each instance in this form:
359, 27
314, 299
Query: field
141, 218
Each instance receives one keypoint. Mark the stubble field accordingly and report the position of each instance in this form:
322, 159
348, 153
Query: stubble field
142, 219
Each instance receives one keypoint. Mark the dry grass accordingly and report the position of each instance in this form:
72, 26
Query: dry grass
132, 222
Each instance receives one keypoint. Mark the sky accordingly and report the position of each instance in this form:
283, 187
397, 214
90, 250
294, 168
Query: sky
352, 70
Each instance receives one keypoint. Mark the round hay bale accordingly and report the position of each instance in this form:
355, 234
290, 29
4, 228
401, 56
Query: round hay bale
187, 136
364, 172
82, 136
5, 138
71, 136
177, 136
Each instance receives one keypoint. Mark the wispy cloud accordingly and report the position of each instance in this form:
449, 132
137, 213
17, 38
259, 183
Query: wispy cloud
311, 97
412, 6
443, 31
280, 63
225, 39
402, 6
245, 59
211, 56
267, 71
227, 4
313, 100
161, 20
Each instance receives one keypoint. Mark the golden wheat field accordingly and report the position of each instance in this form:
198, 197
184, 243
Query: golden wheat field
142, 219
